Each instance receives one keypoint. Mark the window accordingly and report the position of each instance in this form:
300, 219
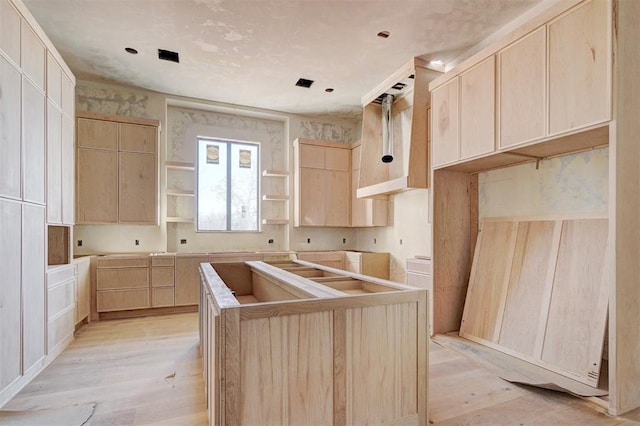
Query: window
228, 186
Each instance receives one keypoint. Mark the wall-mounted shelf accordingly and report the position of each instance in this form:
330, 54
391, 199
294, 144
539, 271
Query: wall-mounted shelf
174, 219
275, 221
179, 165
275, 173
271, 197
180, 192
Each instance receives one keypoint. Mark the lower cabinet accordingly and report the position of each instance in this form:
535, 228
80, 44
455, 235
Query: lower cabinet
61, 282
334, 259
83, 287
419, 274
371, 264
188, 279
162, 281
122, 283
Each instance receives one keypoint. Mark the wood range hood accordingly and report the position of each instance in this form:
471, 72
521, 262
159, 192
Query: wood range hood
408, 136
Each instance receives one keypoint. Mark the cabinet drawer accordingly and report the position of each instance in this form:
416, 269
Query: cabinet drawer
120, 300
162, 297
420, 281
109, 279
59, 275
119, 262
59, 329
421, 266
162, 277
60, 297
162, 261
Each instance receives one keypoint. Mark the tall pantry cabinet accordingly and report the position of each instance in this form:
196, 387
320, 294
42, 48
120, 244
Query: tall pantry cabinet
36, 187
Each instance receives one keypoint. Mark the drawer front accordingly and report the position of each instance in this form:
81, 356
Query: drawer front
422, 266
110, 279
163, 261
122, 262
162, 277
59, 329
420, 281
121, 300
60, 297
162, 297
352, 256
59, 275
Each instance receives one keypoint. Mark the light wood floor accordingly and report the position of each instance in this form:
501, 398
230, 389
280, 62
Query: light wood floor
146, 371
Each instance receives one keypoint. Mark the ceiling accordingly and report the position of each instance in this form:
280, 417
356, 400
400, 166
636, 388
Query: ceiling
252, 52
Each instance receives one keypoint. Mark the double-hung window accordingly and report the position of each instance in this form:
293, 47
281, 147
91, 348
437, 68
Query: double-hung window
228, 189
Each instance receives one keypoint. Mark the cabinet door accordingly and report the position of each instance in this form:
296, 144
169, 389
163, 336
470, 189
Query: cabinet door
358, 205
138, 138
68, 96
579, 58
311, 156
83, 289
337, 187
97, 186
337, 159
445, 130
97, 134
9, 130
477, 109
33, 129
187, 278
54, 81
33, 56
54, 164
311, 197
10, 341
33, 284
137, 190
68, 172
10, 31
522, 90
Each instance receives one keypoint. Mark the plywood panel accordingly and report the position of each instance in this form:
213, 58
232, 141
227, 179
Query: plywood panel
137, 138
97, 134
10, 31
33, 284
381, 383
523, 90
578, 310
311, 197
97, 183
32, 54
337, 198
477, 109
579, 61
10, 236
187, 279
445, 146
300, 346
337, 159
529, 286
137, 188
10, 101
68, 172
33, 128
311, 156
489, 280
54, 164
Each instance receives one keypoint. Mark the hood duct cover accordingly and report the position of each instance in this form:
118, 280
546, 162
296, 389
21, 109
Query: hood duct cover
387, 129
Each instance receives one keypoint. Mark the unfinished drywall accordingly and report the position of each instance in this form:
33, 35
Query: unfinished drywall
575, 183
408, 233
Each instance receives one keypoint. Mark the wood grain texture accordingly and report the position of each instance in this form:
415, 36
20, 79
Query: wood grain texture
97, 134
137, 138
121, 300
337, 158
10, 315
523, 89
489, 280
578, 309
10, 31
445, 132
477, 110
32, 53
10, 145
121, 278
33, 141
337, 198
137, 188
54, 164
162, 276
97, 184
579, 64
33, 285
311, 197
187, 279
162, 297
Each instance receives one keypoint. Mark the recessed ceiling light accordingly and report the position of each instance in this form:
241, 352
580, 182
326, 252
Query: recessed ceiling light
384, 34
131, 50
303, 82
328, 90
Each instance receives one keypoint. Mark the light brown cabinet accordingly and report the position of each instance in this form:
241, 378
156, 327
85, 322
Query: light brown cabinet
122, 283
367, 263
477, 109
333, 259
446, 125
187, 279
364, 211
125, 151
322, 183
162, 281
419, 274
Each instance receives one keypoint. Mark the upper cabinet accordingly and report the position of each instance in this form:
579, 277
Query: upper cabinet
117, 169
405, 130
322, 183
365, 212
530, 97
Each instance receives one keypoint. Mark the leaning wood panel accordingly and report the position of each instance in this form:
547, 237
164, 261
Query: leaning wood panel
529, 285
489, 280
578, 310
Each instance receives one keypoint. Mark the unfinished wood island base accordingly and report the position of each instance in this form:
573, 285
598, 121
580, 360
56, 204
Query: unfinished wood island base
298, 343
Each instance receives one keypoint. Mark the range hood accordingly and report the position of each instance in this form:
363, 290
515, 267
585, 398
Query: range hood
397, 133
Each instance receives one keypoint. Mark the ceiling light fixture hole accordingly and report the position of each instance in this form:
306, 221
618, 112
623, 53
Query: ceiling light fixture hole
131, 50
328, 90
384, 34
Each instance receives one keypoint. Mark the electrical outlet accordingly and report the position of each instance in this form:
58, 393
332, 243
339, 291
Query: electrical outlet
308, 240
344, 241
79, 243
183, 241
375, 241
400, 241
137, 242
270, 240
